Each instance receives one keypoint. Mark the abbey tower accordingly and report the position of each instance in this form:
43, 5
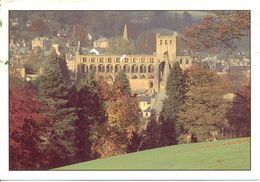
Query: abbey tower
166, 54
166, 47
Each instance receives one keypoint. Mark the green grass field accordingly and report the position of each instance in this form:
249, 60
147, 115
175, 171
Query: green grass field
232, 154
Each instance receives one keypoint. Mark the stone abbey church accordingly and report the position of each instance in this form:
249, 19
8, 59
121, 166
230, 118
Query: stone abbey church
145, 72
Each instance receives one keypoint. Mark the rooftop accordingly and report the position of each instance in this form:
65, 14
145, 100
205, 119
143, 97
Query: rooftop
144, 98
148, 110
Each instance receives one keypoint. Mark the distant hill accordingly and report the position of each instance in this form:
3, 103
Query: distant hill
194, 14
232, 154
162, 31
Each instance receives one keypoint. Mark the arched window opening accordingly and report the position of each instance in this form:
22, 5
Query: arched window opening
150, 68
134, 69
150, 84
126, 68
117, 68
101, 68
109, 68
86, 68
142, 69
92, 67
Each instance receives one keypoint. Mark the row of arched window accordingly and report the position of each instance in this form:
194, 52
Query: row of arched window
126, 68
117, 60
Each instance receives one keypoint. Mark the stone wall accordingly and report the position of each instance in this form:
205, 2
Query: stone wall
141, 84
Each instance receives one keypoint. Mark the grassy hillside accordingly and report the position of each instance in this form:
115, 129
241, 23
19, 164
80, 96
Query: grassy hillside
232, 154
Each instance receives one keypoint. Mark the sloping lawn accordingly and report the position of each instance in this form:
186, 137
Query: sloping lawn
232, 154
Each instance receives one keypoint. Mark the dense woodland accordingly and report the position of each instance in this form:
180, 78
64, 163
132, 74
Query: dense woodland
55, 121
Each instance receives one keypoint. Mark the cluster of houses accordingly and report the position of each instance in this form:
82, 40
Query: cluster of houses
225, 65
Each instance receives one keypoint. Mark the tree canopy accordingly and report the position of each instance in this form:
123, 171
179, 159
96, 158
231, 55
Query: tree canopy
204, 109
55, 92
220, 28
28, 136
240, 113
175, 91
121, 85
120, 46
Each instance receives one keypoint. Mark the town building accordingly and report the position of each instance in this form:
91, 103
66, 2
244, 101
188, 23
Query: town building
145, 104
41, 42
101, 43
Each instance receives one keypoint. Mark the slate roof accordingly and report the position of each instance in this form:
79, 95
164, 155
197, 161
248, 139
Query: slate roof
144, 99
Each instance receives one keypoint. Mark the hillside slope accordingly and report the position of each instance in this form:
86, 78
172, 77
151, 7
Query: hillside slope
232, 154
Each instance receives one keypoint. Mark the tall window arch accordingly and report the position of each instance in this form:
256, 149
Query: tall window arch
109, 68
101, 68
142, 69
126, 68
150, 68
134, 69
117, 68
92, 67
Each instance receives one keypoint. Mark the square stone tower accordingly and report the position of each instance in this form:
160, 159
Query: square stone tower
166, 53
166, 45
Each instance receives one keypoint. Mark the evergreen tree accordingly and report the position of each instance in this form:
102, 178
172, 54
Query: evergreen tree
64, 68
152, 134
90, 110
175, 91
55, 92
168, 131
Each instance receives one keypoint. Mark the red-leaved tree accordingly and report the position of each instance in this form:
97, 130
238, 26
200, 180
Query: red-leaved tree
27, 135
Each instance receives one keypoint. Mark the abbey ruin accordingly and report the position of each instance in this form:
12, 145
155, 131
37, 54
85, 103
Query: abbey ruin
144, 71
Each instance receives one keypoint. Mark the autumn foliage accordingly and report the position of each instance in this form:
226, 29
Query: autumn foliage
115, 134
240, 113
28, 137
39, 27
204, 109
220, 28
